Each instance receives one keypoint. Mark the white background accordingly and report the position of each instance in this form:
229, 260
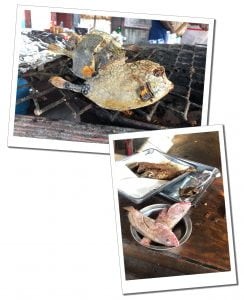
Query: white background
57, 222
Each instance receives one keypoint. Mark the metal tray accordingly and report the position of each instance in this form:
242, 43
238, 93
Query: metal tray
139, 189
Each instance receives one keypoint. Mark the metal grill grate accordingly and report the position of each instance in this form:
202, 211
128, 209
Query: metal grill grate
185, 67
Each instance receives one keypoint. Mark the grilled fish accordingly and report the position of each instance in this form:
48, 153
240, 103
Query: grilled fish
123, 86
170, 217
161, 171
155, 231
143, 166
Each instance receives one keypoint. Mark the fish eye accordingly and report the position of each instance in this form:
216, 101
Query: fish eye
158, 72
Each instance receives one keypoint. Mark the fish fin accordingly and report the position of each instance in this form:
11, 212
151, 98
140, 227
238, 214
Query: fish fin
129, 208
58, 82
59, 50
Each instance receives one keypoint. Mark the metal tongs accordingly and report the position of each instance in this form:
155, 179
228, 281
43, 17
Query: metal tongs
194, 185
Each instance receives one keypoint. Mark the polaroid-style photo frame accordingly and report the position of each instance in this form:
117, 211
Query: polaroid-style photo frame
64, 97
172, 207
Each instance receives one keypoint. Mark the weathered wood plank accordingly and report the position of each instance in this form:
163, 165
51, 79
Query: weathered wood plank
40, 127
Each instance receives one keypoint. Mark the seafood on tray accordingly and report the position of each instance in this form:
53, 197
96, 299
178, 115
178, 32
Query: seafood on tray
161, 171
110, 81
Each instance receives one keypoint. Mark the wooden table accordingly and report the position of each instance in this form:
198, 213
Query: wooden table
205, 251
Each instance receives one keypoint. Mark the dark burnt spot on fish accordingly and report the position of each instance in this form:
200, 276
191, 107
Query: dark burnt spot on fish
146, 92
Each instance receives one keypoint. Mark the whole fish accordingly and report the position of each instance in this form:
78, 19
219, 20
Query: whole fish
155, 231
161, 171
170, 217
143, 166
123, 86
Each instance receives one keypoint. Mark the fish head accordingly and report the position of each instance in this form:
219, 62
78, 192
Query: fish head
158, 85
129, 208
169, 238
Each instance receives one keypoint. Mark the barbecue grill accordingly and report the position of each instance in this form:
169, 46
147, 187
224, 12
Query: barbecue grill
184, 65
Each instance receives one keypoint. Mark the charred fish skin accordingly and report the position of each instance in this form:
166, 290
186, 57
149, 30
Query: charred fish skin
146, 226
143, 166
162, 175
161, 171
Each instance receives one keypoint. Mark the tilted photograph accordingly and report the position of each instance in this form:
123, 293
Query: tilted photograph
172, 209
80, 76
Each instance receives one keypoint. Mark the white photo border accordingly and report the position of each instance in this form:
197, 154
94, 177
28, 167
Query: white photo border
183, 281
51, 144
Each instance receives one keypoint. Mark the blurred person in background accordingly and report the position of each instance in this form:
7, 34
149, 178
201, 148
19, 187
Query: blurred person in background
166, 32
195, 34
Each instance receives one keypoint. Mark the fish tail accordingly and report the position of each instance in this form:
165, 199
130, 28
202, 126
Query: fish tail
128, 208
58, 82
61, 83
